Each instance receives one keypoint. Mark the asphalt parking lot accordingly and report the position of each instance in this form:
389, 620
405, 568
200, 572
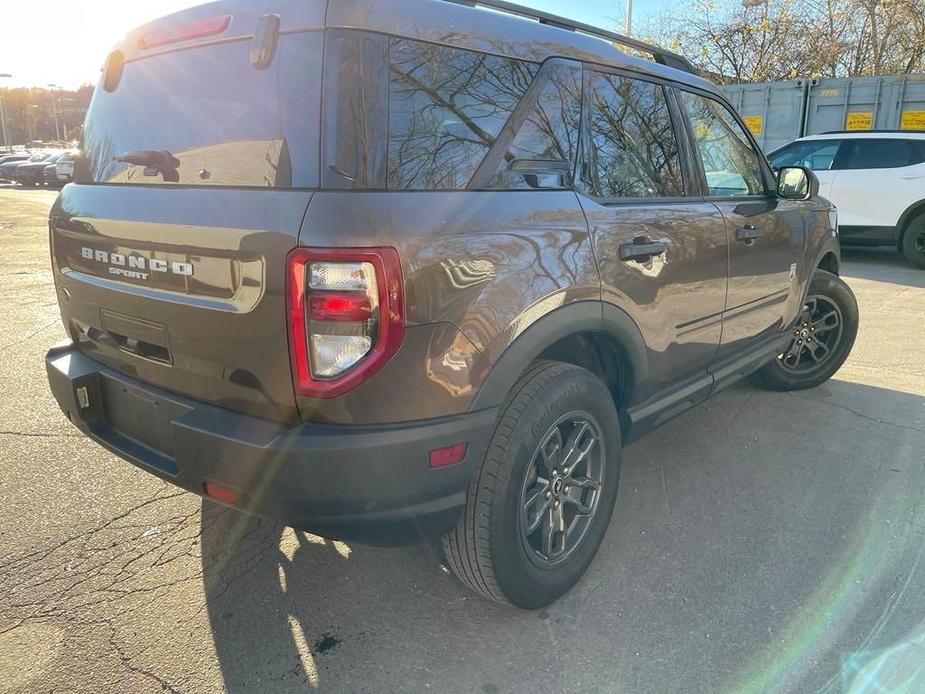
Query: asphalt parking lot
764, 541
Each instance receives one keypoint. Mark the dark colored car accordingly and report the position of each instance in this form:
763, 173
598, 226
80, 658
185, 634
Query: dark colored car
10, 163
50, 175
387, 279
31, 173
4, 158
11, 170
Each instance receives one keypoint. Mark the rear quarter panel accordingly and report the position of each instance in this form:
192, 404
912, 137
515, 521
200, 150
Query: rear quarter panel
479, 269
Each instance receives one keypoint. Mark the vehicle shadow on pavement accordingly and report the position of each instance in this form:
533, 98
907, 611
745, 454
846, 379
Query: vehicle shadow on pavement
870, 263
764, 540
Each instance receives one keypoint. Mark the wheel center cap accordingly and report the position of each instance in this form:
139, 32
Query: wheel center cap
804, 333
557, 486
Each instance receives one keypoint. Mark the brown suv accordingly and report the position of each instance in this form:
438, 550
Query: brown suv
413, 268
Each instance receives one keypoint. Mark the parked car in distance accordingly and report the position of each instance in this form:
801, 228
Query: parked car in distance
50, 175
386, 280
64, 168
32, 173
9, 170
876, 180
19, 156
9, 162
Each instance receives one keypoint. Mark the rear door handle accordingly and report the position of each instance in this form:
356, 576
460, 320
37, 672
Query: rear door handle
639, 250
748, 233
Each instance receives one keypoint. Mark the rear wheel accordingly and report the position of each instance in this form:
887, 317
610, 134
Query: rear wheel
914, 242
822, 337
539, 506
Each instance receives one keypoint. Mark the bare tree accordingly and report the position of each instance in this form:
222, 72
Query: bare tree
758, 40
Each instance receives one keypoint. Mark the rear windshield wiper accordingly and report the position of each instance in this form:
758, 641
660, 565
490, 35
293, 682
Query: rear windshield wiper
155, 162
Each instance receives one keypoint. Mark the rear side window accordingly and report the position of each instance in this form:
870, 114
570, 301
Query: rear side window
542, 151
408, 115
205, 116
446, 109
730, 162
885, 153
633, 146
817, 155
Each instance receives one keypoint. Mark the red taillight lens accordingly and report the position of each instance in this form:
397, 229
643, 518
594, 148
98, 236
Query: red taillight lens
340, 307
185, 32
346, 316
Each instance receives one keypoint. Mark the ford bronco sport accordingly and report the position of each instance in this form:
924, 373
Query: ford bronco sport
409, 268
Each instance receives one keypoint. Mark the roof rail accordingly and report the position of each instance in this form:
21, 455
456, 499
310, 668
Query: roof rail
878, 130
660, 55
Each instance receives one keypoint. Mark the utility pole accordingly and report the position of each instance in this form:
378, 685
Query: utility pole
629, 17
54, 108
6, 135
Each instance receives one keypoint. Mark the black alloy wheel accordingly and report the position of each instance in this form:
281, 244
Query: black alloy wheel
561, 488
815, 337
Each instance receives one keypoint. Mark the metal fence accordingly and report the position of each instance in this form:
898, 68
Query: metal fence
779, 112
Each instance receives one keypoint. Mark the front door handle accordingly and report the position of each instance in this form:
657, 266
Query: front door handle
642, 249
748, 233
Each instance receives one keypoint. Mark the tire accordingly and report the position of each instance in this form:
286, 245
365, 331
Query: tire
817, 351
914, 242
490, 549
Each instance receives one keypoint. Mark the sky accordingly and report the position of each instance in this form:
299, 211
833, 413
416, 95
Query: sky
64, 42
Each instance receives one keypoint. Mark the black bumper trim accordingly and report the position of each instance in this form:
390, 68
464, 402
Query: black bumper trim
339, 480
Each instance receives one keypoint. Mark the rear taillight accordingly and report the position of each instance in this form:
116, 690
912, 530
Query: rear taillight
346, 316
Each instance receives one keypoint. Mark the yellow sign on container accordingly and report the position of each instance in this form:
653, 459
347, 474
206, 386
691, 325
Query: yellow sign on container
912, 120
860, 120
754, 123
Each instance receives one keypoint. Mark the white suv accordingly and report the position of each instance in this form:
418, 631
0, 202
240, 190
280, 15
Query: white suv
876, 179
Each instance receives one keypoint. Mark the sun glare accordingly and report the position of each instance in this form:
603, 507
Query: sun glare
63, 42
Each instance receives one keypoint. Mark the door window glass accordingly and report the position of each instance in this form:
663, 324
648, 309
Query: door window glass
634, 148
816, 155
730, 162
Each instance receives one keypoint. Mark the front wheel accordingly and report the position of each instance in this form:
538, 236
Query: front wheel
822, 337
538, 508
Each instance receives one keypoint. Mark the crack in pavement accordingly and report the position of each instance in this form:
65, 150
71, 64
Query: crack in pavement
29, 336
875, 420
41, 434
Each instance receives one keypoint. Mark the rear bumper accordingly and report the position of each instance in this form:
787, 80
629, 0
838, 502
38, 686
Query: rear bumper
354, 482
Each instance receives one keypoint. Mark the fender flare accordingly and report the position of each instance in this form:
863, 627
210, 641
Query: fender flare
578, 317
913, 210
830, 245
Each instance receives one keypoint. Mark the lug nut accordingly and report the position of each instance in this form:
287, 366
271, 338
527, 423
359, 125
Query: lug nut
548, 495
567, 489
557, 504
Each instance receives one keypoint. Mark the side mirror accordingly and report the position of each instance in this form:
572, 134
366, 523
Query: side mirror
797, 183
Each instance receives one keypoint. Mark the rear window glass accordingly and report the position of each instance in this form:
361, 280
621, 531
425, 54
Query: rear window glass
206, 116
884, 153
